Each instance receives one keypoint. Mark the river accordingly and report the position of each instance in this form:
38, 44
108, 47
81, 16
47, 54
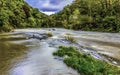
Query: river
27, 52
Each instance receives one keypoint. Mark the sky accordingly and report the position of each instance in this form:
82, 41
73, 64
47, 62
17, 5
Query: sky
49, 6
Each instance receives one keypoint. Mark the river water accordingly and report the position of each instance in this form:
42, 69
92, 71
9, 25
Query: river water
21, 54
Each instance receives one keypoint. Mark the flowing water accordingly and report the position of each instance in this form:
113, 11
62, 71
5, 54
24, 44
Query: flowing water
27, 52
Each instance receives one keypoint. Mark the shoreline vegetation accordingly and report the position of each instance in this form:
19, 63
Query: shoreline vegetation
90, 15
18, 14
85, 64
85, 15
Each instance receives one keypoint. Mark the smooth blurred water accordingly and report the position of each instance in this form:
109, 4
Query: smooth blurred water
22, 56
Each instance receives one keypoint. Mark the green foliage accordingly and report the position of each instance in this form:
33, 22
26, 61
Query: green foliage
90, 15
49, 34
71, 39
18, 14
32, 22
85, 64
62, 51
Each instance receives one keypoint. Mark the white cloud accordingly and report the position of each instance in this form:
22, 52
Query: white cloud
49, 13
49, 6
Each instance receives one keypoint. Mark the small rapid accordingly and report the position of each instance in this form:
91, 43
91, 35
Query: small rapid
33, 50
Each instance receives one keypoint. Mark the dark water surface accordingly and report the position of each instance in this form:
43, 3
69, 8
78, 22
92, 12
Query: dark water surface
10, 53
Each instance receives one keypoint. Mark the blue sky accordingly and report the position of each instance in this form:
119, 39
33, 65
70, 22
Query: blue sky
49, 6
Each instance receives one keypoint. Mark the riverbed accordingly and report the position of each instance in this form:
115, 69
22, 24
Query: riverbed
27, 52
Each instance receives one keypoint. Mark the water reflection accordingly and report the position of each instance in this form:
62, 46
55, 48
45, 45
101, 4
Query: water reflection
22, 56
40, 61
9, 54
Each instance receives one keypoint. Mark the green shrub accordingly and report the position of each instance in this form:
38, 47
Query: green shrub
85, 64
71, 39
49, 34
18, 14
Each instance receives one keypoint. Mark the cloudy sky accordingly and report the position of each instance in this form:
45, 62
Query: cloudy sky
49, 6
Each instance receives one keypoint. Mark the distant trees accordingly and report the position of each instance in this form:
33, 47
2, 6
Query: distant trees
91, 15
95, 15
18, 14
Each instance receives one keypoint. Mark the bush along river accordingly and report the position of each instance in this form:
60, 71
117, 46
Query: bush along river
36, 52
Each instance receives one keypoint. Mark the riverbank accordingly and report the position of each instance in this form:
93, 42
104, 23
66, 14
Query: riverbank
85, 64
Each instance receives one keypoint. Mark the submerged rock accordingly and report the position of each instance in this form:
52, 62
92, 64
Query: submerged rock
53, 29
40, 37
36, 36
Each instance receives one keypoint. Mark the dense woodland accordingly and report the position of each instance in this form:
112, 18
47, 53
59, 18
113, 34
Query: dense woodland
18, 14
90, 15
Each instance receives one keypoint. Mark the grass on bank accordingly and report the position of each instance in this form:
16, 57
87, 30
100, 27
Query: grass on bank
85, 64
71, 39
49, 34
